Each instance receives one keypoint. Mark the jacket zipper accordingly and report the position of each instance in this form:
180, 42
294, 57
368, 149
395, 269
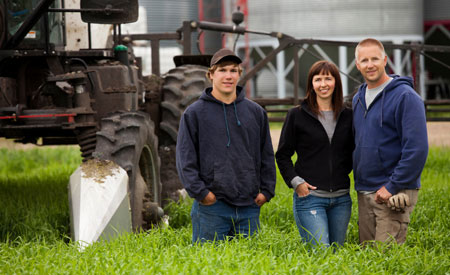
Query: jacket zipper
331, 169
364, 108
330, 162
330, 152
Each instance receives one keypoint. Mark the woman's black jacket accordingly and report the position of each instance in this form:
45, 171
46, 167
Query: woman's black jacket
320, 163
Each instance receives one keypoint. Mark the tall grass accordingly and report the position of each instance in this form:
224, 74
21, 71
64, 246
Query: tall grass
34, 232
33, 193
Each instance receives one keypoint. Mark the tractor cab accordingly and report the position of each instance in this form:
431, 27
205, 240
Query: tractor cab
47, 32
45, 24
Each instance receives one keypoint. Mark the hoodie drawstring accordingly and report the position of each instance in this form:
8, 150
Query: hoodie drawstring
235, 113
226, 124
226, 121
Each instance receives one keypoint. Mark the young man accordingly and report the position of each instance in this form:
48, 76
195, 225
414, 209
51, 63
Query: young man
224, 155
391, 147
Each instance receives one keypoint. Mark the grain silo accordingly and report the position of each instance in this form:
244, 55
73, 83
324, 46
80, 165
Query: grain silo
396, 22
166, 16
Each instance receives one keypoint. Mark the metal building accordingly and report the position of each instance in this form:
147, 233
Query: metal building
168, 16
396, 22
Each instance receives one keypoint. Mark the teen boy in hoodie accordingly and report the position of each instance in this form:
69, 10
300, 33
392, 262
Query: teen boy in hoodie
224, 155
391, 147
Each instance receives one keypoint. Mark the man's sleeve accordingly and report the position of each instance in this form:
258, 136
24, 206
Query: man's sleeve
268, 170
187, 158
412, 128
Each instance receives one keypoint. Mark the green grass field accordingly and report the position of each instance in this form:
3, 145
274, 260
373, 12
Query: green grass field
35, 239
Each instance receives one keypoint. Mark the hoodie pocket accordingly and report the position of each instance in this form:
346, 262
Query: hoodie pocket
236, 178
367, 166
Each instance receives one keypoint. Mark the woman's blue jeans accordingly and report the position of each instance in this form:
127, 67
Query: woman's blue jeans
220, 220
322, 220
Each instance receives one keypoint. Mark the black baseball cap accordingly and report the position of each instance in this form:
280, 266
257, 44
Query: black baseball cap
224, 55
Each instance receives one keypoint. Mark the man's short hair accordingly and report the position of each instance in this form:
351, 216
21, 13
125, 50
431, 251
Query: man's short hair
369, 42
213, 68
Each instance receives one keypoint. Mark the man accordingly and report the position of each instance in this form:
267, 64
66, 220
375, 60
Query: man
391, 147
224, 155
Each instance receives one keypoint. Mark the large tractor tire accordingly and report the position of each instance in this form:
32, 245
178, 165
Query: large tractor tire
128, 139
182, 86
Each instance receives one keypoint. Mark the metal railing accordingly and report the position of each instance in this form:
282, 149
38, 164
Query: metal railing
436, 110
183, 35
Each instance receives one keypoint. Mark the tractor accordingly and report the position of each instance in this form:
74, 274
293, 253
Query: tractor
60, 86
52, 93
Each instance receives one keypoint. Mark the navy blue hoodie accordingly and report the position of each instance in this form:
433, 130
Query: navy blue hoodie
226, 149
391, 144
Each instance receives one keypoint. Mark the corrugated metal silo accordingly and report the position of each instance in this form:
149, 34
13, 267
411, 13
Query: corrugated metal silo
167, 16
337, 18
397, 22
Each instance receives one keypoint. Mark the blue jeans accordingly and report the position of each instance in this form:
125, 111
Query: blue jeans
322, 220
220, 220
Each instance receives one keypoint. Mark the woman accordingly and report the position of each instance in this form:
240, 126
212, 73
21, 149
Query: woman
320, 132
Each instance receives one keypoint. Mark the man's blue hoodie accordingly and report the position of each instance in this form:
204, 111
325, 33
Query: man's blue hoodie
226, 149
391, 144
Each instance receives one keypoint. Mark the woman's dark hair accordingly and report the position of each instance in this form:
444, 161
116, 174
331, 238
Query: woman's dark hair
337, 99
